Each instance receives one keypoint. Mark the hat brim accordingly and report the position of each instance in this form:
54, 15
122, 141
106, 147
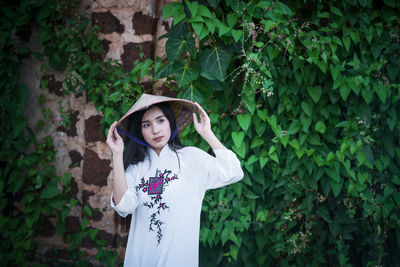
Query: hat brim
182, 109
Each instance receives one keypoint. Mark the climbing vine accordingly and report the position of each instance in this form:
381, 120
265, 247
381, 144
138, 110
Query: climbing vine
305, 92
31, 192
307, 95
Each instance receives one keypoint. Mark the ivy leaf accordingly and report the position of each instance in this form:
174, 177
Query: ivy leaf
237, 138
257, 141
184, 74
268, 24
204, 11
222, 28
274, 157
336, 187
193, 7
333, 173
307, 108
50, 190
387, 208
392, 71
251, 160
335, 71
320, 127
336, 11
249, 194
237, 34
175, 10
324, 214
361, 157
192, 94
198, 27
345, 92
272, 121
204, 32
177, 31
86, 210
93, 233
325, 186
244, 121
231, 19
315, 93
262, 114
272, 52
241, 150
305, 121
396, 197
295, 144
367, 94
215, 61
174, 47
382, 91
294, 127
299, 77
362, 177
210, 25
263, 161
346, 42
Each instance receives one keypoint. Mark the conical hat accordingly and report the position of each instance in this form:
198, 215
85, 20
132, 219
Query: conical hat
181, 108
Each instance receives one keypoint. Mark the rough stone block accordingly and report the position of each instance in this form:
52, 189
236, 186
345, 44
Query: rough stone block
132, 53
95, 170
144, 24
93, 130
71, 132
107, 22
53, 86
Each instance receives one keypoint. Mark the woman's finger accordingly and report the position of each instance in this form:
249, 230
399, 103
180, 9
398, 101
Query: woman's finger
110, 132
195, 120
203, 114
116, 134
200, 109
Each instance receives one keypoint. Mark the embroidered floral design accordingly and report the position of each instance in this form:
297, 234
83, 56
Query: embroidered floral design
154, 187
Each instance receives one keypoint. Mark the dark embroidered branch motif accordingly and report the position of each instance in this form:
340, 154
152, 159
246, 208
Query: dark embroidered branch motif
154, 187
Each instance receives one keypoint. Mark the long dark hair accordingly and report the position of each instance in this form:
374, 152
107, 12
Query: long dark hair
135, 152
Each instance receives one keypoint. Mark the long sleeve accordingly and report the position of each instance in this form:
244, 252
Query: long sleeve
129, 201
221, 170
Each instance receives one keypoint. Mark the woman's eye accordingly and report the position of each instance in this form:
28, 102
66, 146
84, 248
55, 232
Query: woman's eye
145, 125
160, 120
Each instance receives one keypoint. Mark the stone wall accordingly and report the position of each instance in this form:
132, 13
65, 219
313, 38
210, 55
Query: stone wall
127, 28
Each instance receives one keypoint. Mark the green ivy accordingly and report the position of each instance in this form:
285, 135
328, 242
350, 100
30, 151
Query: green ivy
31, 192
307, 95
305, 92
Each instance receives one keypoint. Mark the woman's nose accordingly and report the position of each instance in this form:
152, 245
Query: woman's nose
155, 129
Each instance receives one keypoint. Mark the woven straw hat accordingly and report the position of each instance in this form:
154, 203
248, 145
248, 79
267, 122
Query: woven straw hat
181, 108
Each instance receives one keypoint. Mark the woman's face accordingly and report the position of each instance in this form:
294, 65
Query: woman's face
156, 130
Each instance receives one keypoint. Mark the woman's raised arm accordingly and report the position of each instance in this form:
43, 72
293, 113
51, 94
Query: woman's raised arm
203, 127
116, 145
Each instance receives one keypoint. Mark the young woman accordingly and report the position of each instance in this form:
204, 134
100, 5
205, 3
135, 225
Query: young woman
162, 184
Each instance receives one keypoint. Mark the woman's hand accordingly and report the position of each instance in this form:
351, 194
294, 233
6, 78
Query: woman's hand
203, 127
114, 140
116, 144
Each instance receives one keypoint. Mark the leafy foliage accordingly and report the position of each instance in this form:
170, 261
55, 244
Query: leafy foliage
315, 126
305, 92
31, 192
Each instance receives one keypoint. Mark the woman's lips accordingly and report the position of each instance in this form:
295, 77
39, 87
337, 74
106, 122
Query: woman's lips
158, 139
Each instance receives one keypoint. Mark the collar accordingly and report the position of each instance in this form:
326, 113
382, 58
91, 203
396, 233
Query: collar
165, 151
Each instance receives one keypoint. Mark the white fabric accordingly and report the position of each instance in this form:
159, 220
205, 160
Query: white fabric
165, 227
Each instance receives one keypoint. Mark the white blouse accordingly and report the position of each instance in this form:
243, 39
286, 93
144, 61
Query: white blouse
164, 196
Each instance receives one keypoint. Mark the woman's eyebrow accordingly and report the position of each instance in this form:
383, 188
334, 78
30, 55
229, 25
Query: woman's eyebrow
159, 117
